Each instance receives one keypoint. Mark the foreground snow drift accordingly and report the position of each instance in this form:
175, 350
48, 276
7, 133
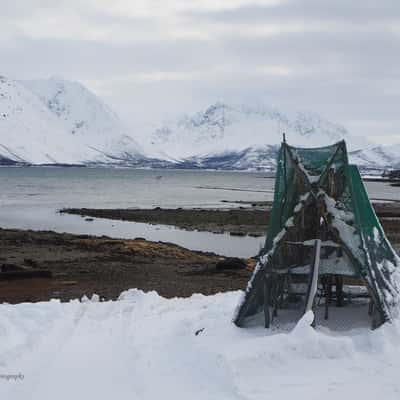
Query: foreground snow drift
146, 347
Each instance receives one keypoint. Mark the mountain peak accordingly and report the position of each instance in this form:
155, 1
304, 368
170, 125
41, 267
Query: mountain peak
58, 121
214, 116
79, 110
226, 127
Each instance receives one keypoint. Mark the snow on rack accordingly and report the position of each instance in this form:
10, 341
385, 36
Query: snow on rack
146, 347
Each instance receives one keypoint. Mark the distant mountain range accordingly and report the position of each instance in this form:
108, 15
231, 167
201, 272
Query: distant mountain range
55, 121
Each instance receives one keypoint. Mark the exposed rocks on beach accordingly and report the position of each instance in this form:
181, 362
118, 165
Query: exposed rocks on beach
80, 265
37, 266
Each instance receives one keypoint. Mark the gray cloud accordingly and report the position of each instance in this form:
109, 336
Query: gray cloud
151, 59
367, 11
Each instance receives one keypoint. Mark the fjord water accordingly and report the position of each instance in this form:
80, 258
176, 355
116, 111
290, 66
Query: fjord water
110, 187
31, 196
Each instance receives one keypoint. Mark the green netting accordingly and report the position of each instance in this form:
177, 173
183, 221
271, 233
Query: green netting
302, 171
286, 195
315, 160
380, 258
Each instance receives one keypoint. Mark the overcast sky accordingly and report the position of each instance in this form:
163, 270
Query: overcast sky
153, 59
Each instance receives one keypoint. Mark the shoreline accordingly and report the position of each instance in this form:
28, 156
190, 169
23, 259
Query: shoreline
250, 218
83, 265
240, 221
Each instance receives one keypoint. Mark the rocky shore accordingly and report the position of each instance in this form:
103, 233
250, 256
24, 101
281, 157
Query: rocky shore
248, 219
40, 265
79, 265
238, 221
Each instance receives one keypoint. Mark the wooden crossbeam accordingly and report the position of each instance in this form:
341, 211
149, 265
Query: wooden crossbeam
310, 243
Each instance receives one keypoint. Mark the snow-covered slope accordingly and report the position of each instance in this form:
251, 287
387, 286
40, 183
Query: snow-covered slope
247, 138
85, 116
28, 131
250, 159
381, 157
57, 121
372, 160
79, 110
226, 128
146, 347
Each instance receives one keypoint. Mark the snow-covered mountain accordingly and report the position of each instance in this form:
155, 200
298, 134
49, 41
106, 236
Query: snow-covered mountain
247, 138
54, 121
60, 122
250, 159
377, 157
372, 160
85, 116
28, 131
223, 128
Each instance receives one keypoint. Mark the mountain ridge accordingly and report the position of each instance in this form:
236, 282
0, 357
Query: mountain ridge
52, 121
222, 127
59, 122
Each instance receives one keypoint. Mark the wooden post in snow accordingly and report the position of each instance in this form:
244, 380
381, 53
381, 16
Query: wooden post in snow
313, 279
267, 317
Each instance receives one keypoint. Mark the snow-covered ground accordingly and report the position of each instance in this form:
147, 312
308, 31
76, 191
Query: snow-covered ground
145, 347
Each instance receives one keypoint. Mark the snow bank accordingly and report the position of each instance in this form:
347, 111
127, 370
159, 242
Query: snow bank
147, 347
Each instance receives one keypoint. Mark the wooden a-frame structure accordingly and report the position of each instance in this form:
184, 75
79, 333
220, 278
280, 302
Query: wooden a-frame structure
322, 233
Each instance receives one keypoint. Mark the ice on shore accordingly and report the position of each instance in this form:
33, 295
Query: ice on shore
146, 347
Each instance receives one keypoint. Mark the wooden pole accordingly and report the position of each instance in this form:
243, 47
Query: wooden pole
313, 279
275, 296
339, 290
328, 294
267, 316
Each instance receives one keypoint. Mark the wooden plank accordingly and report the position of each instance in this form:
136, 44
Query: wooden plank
307, 244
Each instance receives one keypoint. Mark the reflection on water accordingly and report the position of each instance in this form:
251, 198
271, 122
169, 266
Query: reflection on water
42, 219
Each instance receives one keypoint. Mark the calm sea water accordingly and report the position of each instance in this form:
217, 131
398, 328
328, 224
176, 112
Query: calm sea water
30, 198
106, 187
